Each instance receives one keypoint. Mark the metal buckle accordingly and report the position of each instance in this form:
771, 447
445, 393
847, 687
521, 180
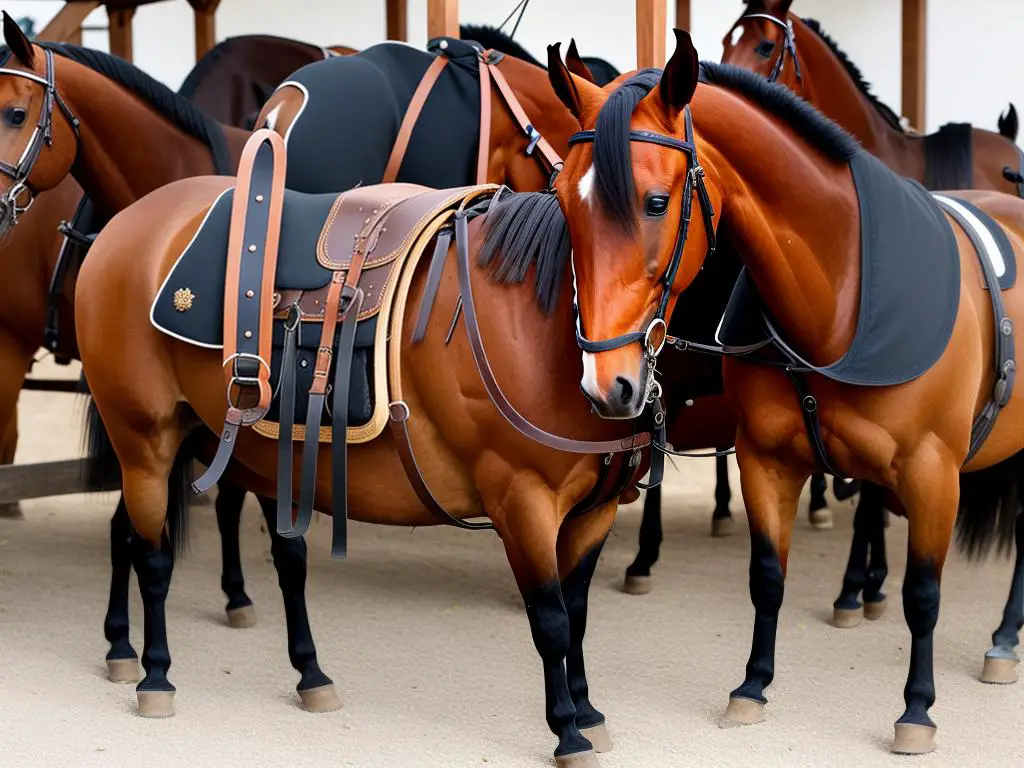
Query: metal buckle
652, 350
534, 136
248, 356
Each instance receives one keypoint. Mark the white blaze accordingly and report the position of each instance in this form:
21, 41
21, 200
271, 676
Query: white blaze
737, 33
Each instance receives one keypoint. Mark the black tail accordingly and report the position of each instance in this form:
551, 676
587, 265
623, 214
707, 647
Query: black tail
1008, 123
104, 471
989, 500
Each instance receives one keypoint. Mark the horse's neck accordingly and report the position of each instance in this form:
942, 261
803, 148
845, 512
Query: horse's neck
509, 163
127, 148
828, 86
793, 217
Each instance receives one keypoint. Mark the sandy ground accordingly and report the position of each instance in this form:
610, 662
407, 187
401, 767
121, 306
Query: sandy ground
423, 633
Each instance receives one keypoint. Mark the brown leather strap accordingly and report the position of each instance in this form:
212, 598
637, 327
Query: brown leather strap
412, 114
332, 305
483, 153
516, 419
552, 158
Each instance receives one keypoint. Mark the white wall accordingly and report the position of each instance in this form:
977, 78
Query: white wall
961, 44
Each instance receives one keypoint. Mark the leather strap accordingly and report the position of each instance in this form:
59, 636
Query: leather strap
444, 239
228, 438
516, 419
285, 443
536, 140
809, 408
412, 113
483, 152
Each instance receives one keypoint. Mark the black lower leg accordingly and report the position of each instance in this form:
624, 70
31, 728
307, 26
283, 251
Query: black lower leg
229, 513
723, 494
856, 575
549, 624
766, 590
818, 487
290, 561
575, 590
1006, 639
921, 608
878, 566
115, 624
650, 535
153, 569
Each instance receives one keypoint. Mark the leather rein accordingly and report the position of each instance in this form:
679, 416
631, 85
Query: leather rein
14, 199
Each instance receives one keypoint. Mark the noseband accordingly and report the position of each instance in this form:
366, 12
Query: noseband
651, 339
42, 134
788, 45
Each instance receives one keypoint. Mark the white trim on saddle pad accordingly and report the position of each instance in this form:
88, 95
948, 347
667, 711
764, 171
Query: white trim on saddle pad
992, 252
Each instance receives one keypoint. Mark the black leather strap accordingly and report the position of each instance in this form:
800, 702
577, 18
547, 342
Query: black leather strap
809, 408
286, 423
444, 239
228, 438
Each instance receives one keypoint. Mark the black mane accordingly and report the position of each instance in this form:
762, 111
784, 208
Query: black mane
524, 229
855, 74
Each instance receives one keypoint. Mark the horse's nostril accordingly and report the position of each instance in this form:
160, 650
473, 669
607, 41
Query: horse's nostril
625, 390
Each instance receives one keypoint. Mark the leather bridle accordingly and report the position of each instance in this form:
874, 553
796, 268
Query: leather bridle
13, 199
654, 335
788, 45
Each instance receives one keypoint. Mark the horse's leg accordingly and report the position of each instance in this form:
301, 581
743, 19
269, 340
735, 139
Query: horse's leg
8, 447
1001, 660
771, 493
526, 520
818, 512
122, 660
868, 536
239, 609
579, 546
638, 574
153, 568
316, 690
930, 494
721, 518
14, 363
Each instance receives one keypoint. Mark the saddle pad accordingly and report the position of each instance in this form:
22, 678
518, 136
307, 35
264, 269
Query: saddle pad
353, 110
910, 286
988, 237
947, 157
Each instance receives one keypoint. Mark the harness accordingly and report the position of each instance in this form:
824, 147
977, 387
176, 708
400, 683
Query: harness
788, 46
14, 199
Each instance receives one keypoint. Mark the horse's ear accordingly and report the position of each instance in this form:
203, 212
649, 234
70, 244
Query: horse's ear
578, 95
576, 64
18, 42
679, 80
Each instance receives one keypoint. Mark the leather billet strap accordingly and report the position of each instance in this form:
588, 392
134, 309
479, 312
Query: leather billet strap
412, 114
536, 141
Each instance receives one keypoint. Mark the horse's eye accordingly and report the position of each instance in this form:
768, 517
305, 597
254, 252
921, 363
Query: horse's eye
656, 205
15, 116
764, 48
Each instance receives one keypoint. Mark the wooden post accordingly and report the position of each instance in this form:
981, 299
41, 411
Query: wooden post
914, 79
442, 18
205, 25
683, 14
120, 32
398, 20
650, 33
67, 24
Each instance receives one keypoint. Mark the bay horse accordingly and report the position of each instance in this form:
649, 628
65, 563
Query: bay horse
773, 41
175, 139
468, 400
813, 382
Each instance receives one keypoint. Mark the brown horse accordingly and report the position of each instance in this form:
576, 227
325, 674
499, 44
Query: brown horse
666, 167
771, 40
153, 389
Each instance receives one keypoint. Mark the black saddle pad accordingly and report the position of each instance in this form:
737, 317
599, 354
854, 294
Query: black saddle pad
202, 269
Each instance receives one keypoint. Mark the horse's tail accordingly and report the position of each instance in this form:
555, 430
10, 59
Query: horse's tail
1008, 123
989, 500
104, 470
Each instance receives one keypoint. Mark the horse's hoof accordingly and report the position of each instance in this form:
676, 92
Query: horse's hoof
873, 611
913, 739
599, 737
156, 703
847, 618
323, 698
721, 527
11, 511
242, 618
742, 712
123, 671
821, 519
636, 585
999, 671
580, 760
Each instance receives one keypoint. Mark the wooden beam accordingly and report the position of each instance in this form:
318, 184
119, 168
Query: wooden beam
914, 62
51, 478
650, 33
68, 22
205, 25
442, 18
683, 14
120, 32
398, 20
